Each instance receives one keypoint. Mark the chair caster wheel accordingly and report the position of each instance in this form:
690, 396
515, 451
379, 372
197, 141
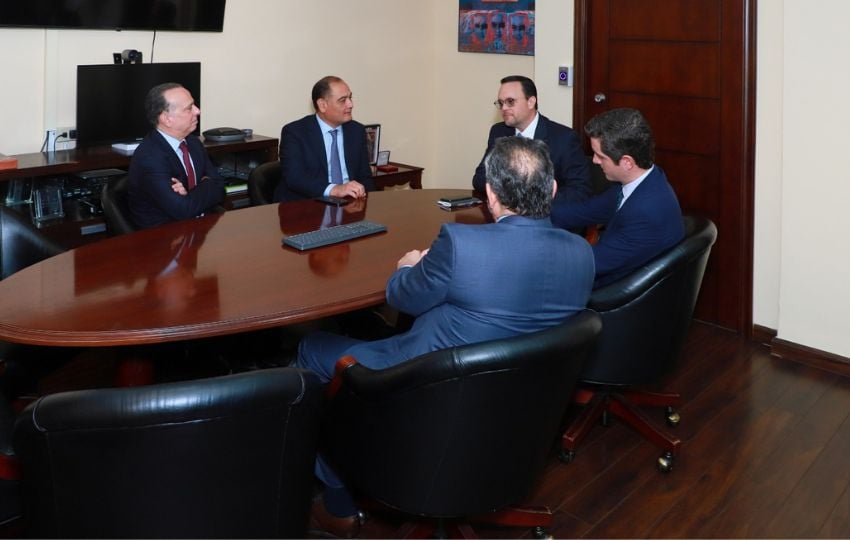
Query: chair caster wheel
673, 417
540, 532
567, 456
665, 462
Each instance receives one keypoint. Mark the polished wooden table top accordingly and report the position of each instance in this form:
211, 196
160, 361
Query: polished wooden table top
220, 274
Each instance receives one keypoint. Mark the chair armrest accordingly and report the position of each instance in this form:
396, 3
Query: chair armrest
591, 234
341, 365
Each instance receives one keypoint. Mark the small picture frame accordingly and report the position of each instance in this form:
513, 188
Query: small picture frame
383, 158
373, 141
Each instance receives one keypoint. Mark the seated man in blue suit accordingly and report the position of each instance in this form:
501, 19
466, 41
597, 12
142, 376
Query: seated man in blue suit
171, 176
640, 210
325, 153
517, 102
475, 283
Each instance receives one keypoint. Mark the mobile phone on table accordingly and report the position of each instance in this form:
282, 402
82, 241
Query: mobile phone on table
335, 201
458, 202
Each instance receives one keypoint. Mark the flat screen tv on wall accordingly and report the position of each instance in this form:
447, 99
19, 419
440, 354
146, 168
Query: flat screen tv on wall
174, 15
111, 98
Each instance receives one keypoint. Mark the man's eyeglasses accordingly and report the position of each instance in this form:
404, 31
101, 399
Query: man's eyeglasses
510, 102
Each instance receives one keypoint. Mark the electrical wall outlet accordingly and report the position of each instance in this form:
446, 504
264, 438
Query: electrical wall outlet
66, 138
61, 138
70, 133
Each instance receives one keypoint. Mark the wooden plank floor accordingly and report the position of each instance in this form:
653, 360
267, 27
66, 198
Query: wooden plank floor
766, 454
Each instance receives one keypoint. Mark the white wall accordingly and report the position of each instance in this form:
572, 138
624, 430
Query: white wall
801, 252
768, 192
435, 106
554, 47
814, 290
22, 90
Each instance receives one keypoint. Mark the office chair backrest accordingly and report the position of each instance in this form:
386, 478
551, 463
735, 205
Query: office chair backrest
116, 208
646, 314
21, 244
223, 457
458, 431
262, 182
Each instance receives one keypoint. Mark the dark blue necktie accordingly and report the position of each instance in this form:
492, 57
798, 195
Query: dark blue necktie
336, 168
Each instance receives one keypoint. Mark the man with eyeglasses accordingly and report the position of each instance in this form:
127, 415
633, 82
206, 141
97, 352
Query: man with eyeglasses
518, 104
325, 154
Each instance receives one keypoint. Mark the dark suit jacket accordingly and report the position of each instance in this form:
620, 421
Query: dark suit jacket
483, 282
150, 197
571, 168
304, 163
648, 223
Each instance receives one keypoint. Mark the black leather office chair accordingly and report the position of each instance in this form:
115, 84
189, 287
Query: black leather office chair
262, 182
116, 209
224, 457
21, 244
458, 433
645, 319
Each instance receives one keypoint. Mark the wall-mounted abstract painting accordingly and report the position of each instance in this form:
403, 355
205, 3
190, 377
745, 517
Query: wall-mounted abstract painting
496, 26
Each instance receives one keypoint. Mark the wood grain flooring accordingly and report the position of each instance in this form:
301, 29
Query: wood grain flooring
766, 454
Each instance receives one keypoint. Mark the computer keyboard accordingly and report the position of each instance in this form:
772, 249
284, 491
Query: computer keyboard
333, 235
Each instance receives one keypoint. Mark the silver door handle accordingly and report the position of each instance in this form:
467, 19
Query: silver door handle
600, 97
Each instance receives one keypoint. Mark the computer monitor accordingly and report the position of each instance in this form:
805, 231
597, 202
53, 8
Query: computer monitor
111, 98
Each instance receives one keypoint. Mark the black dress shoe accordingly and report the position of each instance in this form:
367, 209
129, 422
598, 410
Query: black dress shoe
327, 525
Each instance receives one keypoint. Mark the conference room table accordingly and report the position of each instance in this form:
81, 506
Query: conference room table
220, 274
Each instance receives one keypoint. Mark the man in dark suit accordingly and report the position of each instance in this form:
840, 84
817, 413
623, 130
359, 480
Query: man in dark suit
475, 283
171, 175
517, 102
324, 154
640, 208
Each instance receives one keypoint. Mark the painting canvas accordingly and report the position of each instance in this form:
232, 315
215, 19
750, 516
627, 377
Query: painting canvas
491, 26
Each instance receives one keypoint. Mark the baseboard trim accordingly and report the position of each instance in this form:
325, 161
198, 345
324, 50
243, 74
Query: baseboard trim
801, 353
763, 334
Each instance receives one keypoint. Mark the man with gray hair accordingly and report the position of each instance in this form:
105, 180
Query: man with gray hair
475, 283
171, 176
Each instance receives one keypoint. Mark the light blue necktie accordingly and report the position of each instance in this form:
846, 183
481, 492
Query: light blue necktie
336, 168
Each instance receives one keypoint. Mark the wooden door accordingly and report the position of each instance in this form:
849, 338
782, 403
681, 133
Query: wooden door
689, 66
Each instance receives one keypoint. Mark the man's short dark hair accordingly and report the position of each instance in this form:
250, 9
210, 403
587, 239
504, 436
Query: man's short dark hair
155, 102
322, 89
529, 89
521, 175
623, 132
